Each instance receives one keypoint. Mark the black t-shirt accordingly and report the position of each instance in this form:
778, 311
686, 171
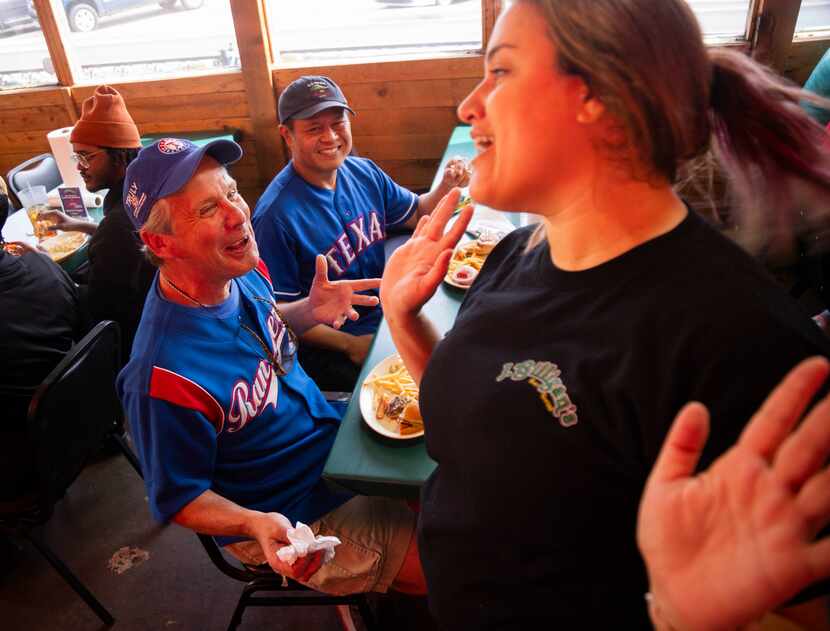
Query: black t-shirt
39, 321
119, 273
547, 403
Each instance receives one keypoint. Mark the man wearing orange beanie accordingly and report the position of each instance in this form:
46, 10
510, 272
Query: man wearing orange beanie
105, 140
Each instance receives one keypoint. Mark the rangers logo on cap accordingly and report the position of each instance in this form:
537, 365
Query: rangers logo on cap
134, 200
172, 145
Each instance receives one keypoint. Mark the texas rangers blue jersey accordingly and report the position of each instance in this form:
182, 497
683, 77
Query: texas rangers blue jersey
207, 409
295, 221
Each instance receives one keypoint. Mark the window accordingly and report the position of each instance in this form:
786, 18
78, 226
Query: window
304, 31
24, 57
814, 15
722, 19
114, 40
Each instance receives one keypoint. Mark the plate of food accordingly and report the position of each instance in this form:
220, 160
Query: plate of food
468, 258
14, 249
63, 245
463, 202
389, 401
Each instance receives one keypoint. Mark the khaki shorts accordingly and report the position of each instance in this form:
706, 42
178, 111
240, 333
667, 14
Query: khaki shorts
374, 532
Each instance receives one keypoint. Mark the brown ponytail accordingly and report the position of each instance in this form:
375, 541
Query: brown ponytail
776, 156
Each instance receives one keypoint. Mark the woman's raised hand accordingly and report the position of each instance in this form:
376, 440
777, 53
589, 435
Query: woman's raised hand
415, 270
733, 542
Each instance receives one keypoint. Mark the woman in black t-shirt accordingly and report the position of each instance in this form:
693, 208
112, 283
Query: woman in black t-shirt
547, 403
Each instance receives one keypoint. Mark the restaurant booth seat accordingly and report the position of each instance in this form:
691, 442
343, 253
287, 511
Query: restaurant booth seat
70, 416
286, 593
42, 170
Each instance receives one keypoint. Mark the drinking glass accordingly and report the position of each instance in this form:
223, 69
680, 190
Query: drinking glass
35, 201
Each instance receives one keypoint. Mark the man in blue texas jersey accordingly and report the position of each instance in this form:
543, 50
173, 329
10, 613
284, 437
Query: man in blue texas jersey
231, 433
328, 202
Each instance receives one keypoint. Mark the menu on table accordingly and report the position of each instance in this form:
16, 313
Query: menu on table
73, 202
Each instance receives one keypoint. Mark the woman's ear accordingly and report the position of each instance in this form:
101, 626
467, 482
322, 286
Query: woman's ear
591, 109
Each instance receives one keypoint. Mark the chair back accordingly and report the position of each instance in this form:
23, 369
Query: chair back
40, 170
74, 409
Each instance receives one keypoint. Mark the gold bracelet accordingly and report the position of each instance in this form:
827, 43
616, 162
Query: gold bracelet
661, 624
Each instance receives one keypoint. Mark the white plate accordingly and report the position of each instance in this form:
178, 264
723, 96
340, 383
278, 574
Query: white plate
448, 278
63, 245
489, 225
367, 402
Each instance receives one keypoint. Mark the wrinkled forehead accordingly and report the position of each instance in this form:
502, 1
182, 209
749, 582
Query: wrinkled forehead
208, 180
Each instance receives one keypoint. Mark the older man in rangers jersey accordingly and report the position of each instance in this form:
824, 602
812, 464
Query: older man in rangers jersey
231, 433
328, 202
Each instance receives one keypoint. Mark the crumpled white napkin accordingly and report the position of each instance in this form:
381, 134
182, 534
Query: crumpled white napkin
303, 542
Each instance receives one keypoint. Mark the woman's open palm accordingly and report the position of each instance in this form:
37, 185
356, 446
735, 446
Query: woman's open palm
415, 270
727, 545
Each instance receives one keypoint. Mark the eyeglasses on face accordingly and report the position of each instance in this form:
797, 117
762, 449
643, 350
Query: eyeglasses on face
83, 158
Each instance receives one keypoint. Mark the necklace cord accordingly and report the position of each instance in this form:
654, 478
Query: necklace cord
270, 355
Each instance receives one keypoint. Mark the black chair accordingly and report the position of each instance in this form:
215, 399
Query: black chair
71, 414
288, 593
40, 170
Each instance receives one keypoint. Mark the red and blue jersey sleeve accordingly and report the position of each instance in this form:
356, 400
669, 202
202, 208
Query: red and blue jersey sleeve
174, 427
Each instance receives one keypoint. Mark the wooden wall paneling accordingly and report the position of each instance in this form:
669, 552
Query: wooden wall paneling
251, 195
413, 121
255, 56
401, 147
451, 67
32, 142
241, 125
413, 174
407, 94
55, 29
803, 57
166, 88
490, 10
216, 106
72, 109
33, 97
246, 173
774, 31
44, 117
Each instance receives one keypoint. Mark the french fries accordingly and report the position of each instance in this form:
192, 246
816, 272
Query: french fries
396, 400
62, 245
471, 254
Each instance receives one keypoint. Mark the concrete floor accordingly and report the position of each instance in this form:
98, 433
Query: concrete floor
177, 587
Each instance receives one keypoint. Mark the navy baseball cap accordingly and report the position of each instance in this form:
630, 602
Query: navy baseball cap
164, 167
308, 95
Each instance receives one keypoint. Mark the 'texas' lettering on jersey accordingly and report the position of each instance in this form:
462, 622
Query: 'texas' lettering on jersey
342, 254
249, 399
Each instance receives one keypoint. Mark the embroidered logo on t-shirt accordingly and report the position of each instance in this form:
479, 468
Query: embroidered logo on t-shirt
545, 377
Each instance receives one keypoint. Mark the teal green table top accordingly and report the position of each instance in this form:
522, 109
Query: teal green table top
363, 461
367, 463
198, 138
